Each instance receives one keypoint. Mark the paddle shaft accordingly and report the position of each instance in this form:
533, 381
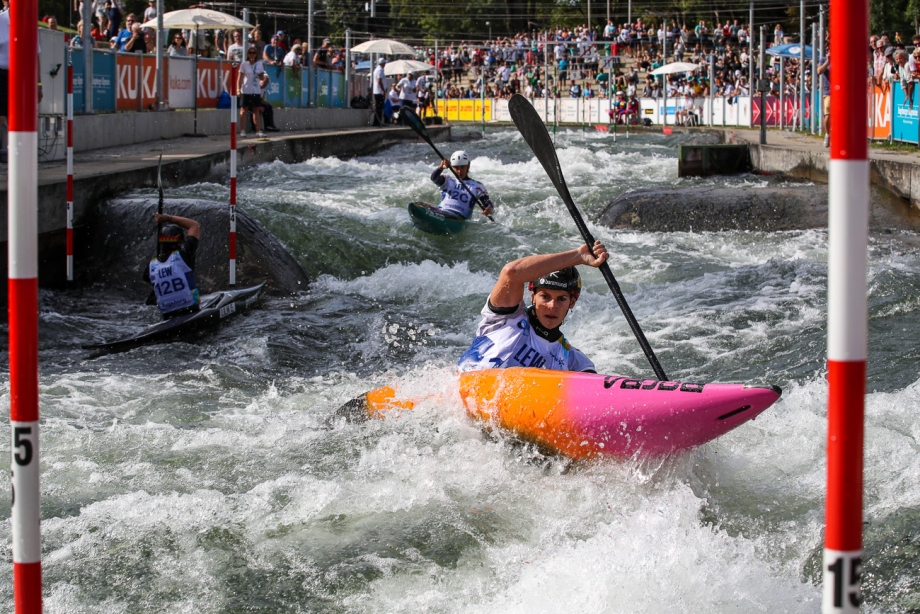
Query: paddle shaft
534, 132
160, 203
416, 124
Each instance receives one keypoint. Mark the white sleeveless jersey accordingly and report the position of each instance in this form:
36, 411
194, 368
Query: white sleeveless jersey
173, 283
455, 199
509, 340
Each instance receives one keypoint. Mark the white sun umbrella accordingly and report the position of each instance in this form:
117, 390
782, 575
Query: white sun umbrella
674, 68
671, 69
401, 67
384, 46
197, 19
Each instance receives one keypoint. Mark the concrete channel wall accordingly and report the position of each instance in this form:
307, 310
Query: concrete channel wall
107, 173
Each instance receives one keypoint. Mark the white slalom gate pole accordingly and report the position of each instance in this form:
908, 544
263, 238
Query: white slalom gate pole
233, 113
70, 167
23, 306
847, 307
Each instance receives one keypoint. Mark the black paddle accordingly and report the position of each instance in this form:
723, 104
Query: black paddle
416, 123
534, 132
159, 204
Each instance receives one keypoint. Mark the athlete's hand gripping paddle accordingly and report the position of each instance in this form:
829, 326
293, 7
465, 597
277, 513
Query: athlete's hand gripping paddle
416, 123
534, 132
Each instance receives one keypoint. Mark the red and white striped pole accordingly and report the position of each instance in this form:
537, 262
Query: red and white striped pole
23, 305
69, 168
847, 307
233, 113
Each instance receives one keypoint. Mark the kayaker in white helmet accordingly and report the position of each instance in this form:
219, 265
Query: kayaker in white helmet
513, 335
456, 200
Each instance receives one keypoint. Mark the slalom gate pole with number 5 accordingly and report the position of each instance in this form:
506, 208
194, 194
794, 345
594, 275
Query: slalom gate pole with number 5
23, 306
847, 308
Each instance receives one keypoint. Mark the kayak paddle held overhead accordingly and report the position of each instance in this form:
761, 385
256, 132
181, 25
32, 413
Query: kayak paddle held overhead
417, 125
534, 132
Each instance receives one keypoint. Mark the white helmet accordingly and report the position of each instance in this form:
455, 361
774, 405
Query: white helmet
459, 158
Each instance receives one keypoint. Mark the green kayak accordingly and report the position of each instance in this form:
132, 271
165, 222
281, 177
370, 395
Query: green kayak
431, 219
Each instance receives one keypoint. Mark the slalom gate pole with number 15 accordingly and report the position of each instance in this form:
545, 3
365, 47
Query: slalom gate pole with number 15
847, 308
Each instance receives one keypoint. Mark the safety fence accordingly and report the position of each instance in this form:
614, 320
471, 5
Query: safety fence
127, 81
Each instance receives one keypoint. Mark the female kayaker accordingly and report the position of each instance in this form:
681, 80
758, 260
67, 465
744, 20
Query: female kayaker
172, 271
456, 200
512, 335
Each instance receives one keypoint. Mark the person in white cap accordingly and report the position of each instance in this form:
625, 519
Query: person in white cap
379, 89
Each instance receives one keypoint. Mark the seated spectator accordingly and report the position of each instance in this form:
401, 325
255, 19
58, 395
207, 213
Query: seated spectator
575, 90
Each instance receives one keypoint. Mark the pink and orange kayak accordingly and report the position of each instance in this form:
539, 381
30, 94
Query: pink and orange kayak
584, 415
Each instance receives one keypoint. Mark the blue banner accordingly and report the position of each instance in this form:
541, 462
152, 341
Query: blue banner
306, 90
293, 87
905, 125
274, 93
323, 87
338, 90
103, 81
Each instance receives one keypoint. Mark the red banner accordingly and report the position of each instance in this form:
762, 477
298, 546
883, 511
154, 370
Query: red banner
136, 78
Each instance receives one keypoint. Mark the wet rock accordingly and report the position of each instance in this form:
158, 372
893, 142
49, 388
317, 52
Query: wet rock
715, 209
122, 240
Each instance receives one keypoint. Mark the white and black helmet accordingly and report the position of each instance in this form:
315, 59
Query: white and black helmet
459, 158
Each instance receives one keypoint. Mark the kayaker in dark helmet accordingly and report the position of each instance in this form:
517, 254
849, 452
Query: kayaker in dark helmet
512, 335
172, 271
454, 198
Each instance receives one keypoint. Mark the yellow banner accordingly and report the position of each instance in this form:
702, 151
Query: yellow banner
465, 110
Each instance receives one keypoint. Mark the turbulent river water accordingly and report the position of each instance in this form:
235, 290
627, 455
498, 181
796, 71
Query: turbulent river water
212, 476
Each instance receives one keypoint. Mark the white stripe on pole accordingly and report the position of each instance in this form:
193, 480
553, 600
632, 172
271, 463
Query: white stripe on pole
848, 221
23, 218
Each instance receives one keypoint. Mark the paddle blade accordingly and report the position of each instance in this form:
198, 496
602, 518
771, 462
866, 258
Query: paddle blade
415, 122
534, 132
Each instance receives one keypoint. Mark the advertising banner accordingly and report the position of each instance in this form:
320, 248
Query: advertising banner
136, 79
338, 89
323, 88
880, 112
179, 86
905, 124
293, 86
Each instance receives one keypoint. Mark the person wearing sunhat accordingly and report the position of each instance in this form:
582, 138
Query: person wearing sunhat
379, 89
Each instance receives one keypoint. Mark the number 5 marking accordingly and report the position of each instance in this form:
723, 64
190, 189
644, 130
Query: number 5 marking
23, 443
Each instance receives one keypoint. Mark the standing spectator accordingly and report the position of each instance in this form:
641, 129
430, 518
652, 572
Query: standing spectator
879, 62
282, 42
235, 50
273, 54
394, 100
778, 35
824, 70
252, 79
150, 13
125, 34
321, 57
255, 40
113, 14
379, 89
294, 57
424, 94
408, 95
178, 47
136, 43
